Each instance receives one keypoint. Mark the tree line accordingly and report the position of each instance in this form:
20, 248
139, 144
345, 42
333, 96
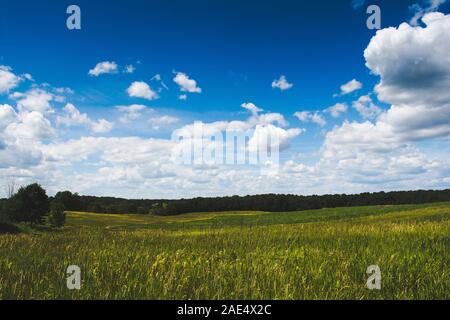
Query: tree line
286, 203
75, 202
268, 202
31, 203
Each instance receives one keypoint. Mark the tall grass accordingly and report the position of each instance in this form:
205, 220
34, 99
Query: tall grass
236, 256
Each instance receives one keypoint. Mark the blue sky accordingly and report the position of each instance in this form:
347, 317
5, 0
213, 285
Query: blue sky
234, 50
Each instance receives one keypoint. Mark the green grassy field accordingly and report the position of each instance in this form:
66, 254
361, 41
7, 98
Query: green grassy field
321, 254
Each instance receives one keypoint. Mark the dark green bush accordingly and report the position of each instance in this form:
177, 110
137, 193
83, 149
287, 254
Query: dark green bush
57, 216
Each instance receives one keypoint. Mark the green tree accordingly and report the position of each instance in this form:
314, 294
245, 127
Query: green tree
70, 201
29, 204
3, 215
57, 216
158, 209
5, 225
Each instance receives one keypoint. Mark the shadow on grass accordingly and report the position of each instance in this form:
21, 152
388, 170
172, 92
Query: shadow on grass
10, 228
37, 228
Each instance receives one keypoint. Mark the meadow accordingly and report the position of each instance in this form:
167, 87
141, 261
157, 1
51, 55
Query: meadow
318, 254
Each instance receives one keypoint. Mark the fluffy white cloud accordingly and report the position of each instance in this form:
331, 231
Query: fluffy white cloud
64, 90
210, 129
125, 150
27, 76
182, 97
138, 167
34, 100
129, 69
30, 126
140, 89
8, 80
103, 67
352, 138
282, 83
17, 161
308, 116
186, 84
418, 122
271, 118
261, 129
251, 107
366, 107
101, 126
73, 117
419, 11
265, 118
157, 122
337, 109
351, 86
277, 137
21, 135
414, 66
7, 115
131, 113
303, 116
412, 63
367, 155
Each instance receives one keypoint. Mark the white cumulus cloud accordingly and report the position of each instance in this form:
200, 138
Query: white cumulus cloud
34, 100
282, 83
140, 89
420, 11
414, 66
157, 122
73, 117
278, 138
351, 86
186, 84
30, 126
131, 113
337, 109
8, 80
103, 68
101, 126
251, 107
308, 116
366, 107
129, 69
7, 115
